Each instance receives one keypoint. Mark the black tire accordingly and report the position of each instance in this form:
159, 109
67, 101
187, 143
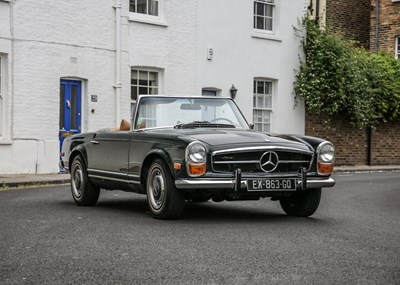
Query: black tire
303, 203
164, 200
83, 191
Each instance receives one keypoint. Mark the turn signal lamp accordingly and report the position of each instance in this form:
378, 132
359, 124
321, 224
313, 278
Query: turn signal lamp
196, 169
325, 168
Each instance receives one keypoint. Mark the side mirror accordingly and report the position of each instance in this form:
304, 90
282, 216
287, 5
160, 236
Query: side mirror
251, 126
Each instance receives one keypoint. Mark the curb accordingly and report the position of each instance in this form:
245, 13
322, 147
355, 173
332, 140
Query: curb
21, 184
366, 169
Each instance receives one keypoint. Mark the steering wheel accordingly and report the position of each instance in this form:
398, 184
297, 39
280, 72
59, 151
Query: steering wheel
222, 119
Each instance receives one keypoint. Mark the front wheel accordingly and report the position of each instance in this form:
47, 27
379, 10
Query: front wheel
164, 200
303, 203
84, 192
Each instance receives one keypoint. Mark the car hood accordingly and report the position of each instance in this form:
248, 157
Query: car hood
222, 138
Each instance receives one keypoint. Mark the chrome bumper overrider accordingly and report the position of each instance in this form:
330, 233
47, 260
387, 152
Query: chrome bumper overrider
231, 183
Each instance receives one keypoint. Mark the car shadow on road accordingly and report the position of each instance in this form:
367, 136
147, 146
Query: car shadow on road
232, 212
206, 212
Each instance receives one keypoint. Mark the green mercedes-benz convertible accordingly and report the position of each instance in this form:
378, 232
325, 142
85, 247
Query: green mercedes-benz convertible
196, 149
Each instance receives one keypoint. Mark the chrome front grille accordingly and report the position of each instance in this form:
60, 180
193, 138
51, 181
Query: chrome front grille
249, 160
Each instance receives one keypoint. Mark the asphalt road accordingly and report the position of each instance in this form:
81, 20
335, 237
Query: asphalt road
354, 238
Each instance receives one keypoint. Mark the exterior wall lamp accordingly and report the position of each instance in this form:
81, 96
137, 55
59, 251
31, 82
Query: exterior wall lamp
233, 91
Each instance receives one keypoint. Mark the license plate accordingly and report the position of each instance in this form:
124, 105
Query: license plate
278, 184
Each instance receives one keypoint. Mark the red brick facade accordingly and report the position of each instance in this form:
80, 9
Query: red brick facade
351, 143
389, 25
351, 17
356, 19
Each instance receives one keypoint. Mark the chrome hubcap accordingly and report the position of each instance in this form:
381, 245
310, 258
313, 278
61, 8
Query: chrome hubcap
157, 189
77, 180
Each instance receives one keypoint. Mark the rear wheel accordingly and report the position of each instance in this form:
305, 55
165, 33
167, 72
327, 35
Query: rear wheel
164, 200
303, 203
83, 191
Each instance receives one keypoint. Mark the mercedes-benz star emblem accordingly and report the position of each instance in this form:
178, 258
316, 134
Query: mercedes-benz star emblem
269, 161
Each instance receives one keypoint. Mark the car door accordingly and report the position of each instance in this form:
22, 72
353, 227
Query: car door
108, 154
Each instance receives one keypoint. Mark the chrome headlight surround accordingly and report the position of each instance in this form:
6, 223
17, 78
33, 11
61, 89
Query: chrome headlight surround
325, 158
196, 158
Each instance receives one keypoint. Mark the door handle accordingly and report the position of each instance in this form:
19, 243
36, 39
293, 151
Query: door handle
94, 142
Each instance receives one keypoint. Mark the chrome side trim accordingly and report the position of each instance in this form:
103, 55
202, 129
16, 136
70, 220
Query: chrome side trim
114, 179
230, 183
104, 171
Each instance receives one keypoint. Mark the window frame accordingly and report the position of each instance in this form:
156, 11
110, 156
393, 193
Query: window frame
269, 109
271, 3
397, 47
148, 70
2, 109
148, 18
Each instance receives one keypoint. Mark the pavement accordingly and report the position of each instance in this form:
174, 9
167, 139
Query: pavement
31, 180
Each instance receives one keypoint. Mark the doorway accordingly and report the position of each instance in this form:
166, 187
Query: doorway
70, 109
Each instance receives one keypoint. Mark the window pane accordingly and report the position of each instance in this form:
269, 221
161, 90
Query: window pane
134, 76
134, 92
74, 92
153, 90
143, 90
260, 101
260, 9
62, 104
268, 87
259, 23
268, 24
132, 5
153, 7
143, 75
141, 6
153, 79
269, 9
260, 87
268, 101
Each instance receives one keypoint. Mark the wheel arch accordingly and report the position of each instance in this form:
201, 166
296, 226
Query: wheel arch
78, 151
149, 159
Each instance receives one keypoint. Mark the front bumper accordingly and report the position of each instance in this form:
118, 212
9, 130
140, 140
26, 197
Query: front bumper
232, 184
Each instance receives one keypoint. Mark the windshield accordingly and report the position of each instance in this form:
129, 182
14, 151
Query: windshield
155, 112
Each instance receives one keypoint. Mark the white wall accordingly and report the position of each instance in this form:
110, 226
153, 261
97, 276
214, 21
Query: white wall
76, 40
239, 57
170, 47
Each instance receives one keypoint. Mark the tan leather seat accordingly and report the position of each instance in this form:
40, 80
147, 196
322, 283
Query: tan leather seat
125, 125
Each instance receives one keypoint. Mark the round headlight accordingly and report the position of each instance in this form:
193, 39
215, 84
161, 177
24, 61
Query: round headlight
327, 153
197, 153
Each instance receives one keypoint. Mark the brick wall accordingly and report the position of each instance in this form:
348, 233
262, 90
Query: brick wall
386, 144
351, 17
352, 143
389, 25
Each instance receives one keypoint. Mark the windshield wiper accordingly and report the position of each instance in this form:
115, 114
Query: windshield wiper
202, 124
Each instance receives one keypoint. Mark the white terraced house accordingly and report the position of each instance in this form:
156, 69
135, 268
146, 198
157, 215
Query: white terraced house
73, 66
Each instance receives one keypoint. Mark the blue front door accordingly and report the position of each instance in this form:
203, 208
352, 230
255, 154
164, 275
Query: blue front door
70, 108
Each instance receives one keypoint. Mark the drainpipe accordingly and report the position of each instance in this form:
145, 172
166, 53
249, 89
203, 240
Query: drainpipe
12, 70
117, 84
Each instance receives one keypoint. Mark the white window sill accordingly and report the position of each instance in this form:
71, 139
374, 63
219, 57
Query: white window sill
265, 36
146, 19
5, 141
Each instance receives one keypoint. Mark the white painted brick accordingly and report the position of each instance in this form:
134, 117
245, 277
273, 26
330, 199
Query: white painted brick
48, 33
